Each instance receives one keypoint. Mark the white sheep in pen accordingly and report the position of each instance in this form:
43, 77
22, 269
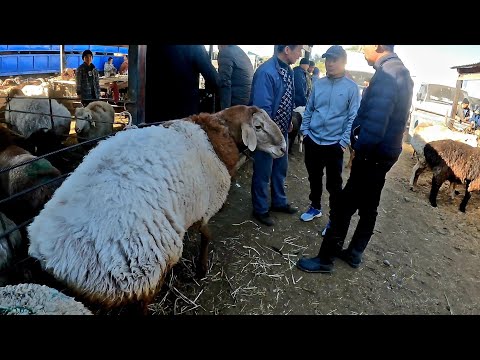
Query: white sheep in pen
94, 120
116, 226
428, 132
34, 299
29, 119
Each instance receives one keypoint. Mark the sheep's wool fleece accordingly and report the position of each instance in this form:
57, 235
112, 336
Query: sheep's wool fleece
34, 299
116, 225
29, 122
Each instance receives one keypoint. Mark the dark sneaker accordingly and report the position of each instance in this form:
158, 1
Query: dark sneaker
287, 209
353, 261
314, 265
265, 219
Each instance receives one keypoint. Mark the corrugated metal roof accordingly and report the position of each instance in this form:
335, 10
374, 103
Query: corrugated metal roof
466, 66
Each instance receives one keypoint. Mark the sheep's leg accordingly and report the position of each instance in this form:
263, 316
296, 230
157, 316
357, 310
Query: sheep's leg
202, 263
436, 184
452, 190
291, 139
416, 171
467, 196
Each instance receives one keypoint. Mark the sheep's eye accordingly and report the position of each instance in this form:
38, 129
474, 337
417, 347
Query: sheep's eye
258, 127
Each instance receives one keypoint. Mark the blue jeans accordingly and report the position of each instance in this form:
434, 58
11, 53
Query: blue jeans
265, 170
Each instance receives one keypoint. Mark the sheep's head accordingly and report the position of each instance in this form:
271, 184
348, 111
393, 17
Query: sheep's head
83, 120
254, 127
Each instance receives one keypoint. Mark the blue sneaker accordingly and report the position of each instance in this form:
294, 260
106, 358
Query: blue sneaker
326, 227
311, 214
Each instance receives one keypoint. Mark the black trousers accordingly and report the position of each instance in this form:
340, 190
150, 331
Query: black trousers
362, 192
318, 157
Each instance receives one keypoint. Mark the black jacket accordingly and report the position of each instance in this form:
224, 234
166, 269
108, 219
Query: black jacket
301, 88
172, 80
236, 75
384, 110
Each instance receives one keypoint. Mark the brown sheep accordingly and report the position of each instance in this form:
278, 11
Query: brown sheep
454, 161
21, 178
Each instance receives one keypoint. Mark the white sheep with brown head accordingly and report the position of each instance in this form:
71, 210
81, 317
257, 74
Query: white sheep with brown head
116, 226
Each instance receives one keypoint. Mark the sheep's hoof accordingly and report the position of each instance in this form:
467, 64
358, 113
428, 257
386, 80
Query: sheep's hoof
434, 204
462, 209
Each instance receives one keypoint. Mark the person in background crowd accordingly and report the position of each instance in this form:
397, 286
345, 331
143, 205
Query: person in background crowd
463, 111
300, 76
108, 68
315, 75
87, 79
124, 67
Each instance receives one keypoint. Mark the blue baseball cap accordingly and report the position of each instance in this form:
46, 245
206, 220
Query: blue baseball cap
335, 51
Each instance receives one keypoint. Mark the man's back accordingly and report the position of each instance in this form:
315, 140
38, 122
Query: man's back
384, 110
172, 85
301, 86
236, 74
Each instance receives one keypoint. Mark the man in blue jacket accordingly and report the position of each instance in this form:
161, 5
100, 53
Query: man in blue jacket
273, 91
380, 124
301, 80
326, 124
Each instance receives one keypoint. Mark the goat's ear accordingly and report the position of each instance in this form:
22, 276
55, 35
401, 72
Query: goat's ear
248, 136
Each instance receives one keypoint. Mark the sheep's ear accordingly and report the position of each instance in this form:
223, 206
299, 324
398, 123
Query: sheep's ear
248, 136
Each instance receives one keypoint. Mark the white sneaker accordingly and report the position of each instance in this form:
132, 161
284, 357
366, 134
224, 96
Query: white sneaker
325, 229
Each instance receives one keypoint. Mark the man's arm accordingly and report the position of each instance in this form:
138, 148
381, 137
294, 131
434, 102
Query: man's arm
206, 68
380, 99
225, 69
354, 102
307, 115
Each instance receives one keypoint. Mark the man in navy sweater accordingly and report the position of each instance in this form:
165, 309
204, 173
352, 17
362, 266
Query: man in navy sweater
380, 124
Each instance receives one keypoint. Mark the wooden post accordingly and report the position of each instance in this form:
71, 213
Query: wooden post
456, 98
136, 81
63, 59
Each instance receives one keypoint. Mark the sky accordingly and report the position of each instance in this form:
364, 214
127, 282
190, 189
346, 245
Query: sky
427, 63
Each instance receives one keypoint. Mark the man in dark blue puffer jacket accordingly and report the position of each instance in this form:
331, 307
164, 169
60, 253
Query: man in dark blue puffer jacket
380, 124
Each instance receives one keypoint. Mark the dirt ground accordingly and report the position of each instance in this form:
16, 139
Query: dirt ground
421, 260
